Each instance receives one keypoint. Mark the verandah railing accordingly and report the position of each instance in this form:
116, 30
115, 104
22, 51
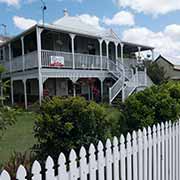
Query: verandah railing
82, 61
149, 154
20, 63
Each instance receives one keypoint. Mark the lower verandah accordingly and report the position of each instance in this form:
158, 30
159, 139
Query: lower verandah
89, 88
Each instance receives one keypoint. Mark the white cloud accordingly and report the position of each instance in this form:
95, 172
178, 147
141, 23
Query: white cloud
154, 7
11, 2
121, 18
17, 3
80, 1
173, 31
163, 41
91, 20
23, 23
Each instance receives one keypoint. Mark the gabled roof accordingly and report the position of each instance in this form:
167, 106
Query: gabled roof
77, 25
175, 61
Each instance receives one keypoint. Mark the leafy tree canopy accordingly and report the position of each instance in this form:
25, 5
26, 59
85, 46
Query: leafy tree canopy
153, 105
67, 123
156, 73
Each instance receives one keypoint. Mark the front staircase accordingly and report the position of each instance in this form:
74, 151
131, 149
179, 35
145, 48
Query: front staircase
125, 85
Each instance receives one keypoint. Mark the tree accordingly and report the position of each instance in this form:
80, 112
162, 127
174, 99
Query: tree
67, 123
153, 105
7, 117
3, 86
156, 73
7, 114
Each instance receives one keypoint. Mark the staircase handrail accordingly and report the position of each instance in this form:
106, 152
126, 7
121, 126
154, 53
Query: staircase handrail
115, 89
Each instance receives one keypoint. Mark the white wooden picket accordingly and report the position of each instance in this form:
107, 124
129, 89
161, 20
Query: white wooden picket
134, 141
162, 152
148, 154
166, 152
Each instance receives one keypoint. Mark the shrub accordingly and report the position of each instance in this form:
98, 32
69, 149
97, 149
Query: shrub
67, 123
7, 117
153, 105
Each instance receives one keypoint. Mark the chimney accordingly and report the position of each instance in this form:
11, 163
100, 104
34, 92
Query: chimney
65, 11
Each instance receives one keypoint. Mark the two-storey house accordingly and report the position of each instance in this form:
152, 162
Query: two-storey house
70, 57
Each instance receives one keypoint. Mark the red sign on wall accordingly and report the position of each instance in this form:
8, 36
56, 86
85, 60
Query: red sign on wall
57, 61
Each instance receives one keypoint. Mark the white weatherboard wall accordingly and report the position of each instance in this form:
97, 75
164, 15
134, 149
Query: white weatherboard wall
151, 154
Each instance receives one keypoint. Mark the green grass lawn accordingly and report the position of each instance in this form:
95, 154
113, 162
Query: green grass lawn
18, 137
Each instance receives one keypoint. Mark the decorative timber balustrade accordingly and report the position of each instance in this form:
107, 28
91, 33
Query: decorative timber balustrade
58, 59
148, 154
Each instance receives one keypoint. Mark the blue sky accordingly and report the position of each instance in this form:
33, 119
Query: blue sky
150, 22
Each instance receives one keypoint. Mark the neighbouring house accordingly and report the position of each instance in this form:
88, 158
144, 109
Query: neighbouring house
69, 58
171, 66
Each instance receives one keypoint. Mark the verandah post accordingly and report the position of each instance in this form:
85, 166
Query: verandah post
72, 46
122, 60
25, 94
38, 34
100, 50
107, 53
22, 46
12, 92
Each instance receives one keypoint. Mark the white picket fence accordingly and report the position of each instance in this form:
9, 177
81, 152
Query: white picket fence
151, 154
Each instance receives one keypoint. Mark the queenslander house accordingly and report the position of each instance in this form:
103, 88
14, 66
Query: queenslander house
72, 58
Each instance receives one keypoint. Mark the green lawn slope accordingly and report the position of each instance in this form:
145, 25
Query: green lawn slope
18, 137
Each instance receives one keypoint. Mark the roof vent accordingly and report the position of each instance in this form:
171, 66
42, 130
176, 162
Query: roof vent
65, 11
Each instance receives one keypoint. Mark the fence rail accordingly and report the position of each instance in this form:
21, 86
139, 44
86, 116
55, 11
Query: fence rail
150, 154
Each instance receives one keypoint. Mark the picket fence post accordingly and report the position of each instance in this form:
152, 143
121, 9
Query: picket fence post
92, 162
36, 171
162, 151
73, 173
145, 153
115, 158
122, 157
173, 152
140, 151
62, 170
170, 151
134, 143
50, 174
83, 164
158, 153
108, 160
21, 173
101, 161
129, 165
154, 154
150, 154
5, 175
177, 151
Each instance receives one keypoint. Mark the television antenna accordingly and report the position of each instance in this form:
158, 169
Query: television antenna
44, 8
5, 28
